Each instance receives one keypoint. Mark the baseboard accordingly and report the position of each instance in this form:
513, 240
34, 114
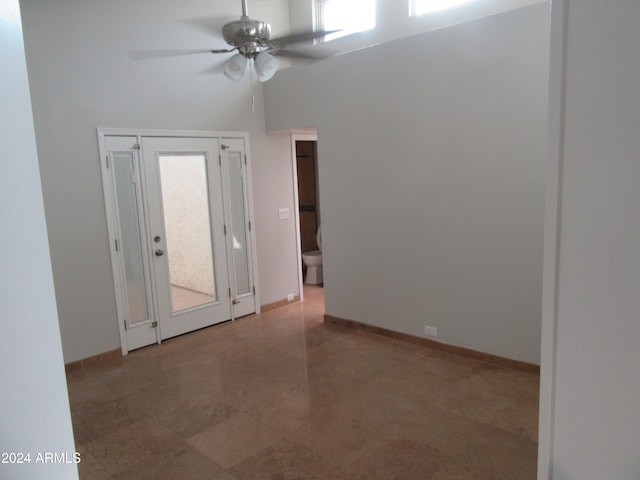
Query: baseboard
86, 362
278, 304
462, 351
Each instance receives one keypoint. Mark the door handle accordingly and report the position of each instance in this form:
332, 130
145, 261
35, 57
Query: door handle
159, 253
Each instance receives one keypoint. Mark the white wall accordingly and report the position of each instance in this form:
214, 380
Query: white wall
431, 154
590, 421
273, 191
81, 78
301, 15
34, 404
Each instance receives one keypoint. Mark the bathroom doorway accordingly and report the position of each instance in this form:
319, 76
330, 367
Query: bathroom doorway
308, 205
305, 164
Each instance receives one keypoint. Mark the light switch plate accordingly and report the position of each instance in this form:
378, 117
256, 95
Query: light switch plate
283, 213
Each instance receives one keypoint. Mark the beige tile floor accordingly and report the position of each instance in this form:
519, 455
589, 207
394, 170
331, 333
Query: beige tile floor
284, 396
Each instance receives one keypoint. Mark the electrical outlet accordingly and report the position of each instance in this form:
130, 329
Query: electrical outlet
431, 331
290, 297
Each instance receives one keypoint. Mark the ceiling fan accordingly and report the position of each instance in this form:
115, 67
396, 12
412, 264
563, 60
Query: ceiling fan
252, 41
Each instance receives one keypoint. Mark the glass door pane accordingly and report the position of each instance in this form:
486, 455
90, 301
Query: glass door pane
187, 226
238, 223
130, 237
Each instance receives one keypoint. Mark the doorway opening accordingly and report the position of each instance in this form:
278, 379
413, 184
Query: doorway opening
308, 212
308, 205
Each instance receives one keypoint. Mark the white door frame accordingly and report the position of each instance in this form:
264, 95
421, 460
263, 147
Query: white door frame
551, 265
299, 135
138, 134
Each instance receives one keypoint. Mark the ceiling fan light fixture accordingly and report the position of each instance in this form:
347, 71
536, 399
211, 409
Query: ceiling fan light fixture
251, 40
266, 66
236, 66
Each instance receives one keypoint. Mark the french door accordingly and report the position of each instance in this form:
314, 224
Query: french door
186, 225
182, 249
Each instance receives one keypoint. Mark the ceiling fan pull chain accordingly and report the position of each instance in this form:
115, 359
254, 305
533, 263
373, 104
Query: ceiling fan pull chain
252, 87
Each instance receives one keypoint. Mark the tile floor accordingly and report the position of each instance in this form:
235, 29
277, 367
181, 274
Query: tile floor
284, 396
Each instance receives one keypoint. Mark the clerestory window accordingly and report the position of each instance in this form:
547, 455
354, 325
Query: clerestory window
348, 16
422, 7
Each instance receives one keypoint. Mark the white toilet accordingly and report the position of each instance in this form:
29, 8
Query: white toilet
313, 261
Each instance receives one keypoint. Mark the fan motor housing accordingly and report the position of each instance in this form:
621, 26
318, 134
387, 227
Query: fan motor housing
246, 34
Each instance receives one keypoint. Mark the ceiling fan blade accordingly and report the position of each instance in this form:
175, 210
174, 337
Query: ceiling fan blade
151, 54
299, 54
299, 37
